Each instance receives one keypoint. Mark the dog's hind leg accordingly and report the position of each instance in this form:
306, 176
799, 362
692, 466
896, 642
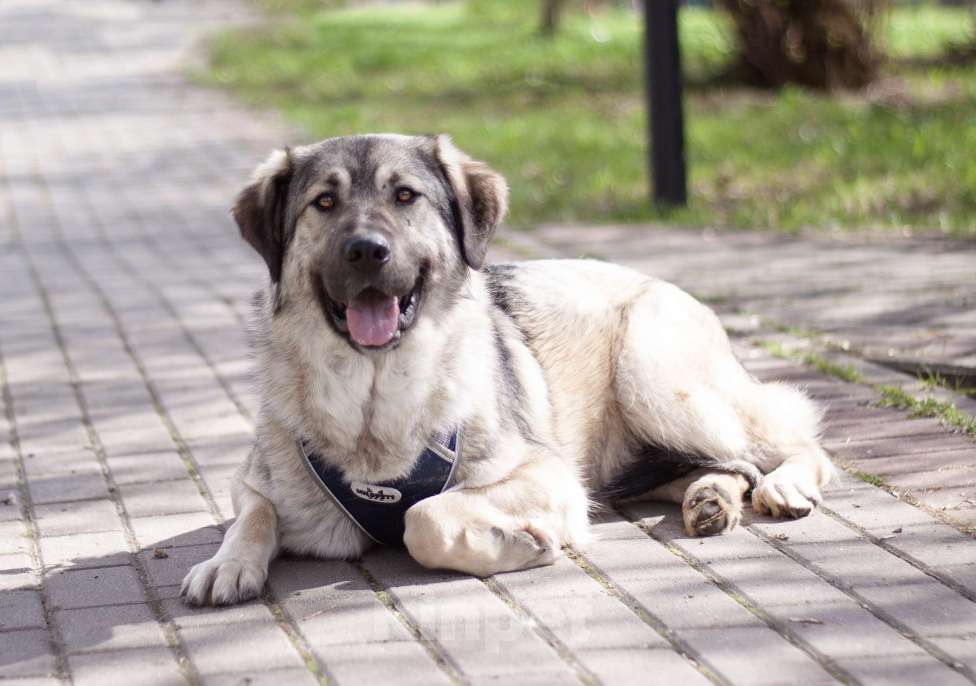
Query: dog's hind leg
519, 522
239, 569
679, 386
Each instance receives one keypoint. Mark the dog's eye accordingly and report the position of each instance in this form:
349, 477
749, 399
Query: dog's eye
405, 196
326, 201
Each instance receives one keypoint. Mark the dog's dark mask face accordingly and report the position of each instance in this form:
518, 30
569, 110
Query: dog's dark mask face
379, 229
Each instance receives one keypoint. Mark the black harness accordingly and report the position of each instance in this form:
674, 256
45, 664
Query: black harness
378, 509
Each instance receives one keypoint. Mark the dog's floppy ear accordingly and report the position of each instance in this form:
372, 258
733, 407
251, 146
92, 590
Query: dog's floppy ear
260, 209
480, 199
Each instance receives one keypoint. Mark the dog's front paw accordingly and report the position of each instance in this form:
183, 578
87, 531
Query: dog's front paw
785, 492
709, 510
223, 581
532, 546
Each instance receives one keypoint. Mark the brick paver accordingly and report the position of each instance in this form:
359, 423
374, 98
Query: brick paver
126, 406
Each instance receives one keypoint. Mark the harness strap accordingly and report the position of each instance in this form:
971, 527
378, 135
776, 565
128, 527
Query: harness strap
379, 508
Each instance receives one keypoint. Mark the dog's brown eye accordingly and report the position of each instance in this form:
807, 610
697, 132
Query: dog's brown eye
405, 195
326, 201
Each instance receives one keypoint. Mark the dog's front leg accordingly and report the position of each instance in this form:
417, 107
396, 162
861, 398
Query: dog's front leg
239, 569
520, 522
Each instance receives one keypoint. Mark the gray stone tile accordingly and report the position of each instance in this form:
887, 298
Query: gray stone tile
16, 572
168, 566
154, 666
399, 663
27, 653
904, 669
639, 666
663, 584
270, 677
66, 487
76, 551
165, 531
93, 587
239, 647
14, 538
111, 627
152, 499
190, 616
77, 517
21, 609
332, 605
593, 620
732, 654
147, 468
473, 625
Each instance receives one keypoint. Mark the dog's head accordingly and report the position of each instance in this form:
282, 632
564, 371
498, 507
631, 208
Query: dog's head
378, 228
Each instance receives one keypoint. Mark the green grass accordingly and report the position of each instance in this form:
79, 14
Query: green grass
890, 396
564, 118
947, 412
932, 380
869, 478
814, 359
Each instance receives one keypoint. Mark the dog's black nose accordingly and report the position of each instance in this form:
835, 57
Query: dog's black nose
367, 252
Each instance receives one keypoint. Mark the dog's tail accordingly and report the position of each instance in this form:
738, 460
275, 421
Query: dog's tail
659, 465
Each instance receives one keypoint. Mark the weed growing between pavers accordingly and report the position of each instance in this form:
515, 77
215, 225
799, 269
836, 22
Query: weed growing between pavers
812, 359
869, 478
947, 412
891, 396
933, 380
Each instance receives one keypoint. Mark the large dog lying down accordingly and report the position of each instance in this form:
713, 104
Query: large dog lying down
410, 394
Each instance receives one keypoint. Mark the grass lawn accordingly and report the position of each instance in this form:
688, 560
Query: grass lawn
564, 118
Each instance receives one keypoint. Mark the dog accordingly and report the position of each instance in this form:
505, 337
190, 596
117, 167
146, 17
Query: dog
524, 392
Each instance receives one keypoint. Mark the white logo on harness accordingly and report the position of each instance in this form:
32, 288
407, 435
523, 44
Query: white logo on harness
375, 494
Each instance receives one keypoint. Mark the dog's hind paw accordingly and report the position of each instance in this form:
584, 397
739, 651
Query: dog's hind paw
785, 492
223, 582
710, 510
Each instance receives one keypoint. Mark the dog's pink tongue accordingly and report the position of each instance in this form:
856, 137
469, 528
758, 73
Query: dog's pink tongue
372, 318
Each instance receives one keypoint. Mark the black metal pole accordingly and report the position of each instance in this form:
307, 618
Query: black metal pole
664, 90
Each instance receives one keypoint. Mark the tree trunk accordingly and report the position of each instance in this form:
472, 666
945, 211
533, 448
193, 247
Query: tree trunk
823, 44
551, 12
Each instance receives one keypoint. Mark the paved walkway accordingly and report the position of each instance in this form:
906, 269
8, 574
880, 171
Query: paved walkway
126, 406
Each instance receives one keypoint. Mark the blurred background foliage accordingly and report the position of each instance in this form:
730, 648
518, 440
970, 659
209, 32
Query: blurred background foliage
885, 139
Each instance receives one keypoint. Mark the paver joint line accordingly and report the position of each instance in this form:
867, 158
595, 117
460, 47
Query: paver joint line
299, 642
927, 645
586, 677
285, 624
435, 650
169, 630
968, 594
37, 562
782, 628
679, 645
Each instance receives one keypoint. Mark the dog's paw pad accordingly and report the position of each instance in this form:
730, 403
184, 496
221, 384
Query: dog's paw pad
709, 512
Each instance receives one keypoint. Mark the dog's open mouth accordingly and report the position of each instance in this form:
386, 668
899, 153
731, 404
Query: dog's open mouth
374, 319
